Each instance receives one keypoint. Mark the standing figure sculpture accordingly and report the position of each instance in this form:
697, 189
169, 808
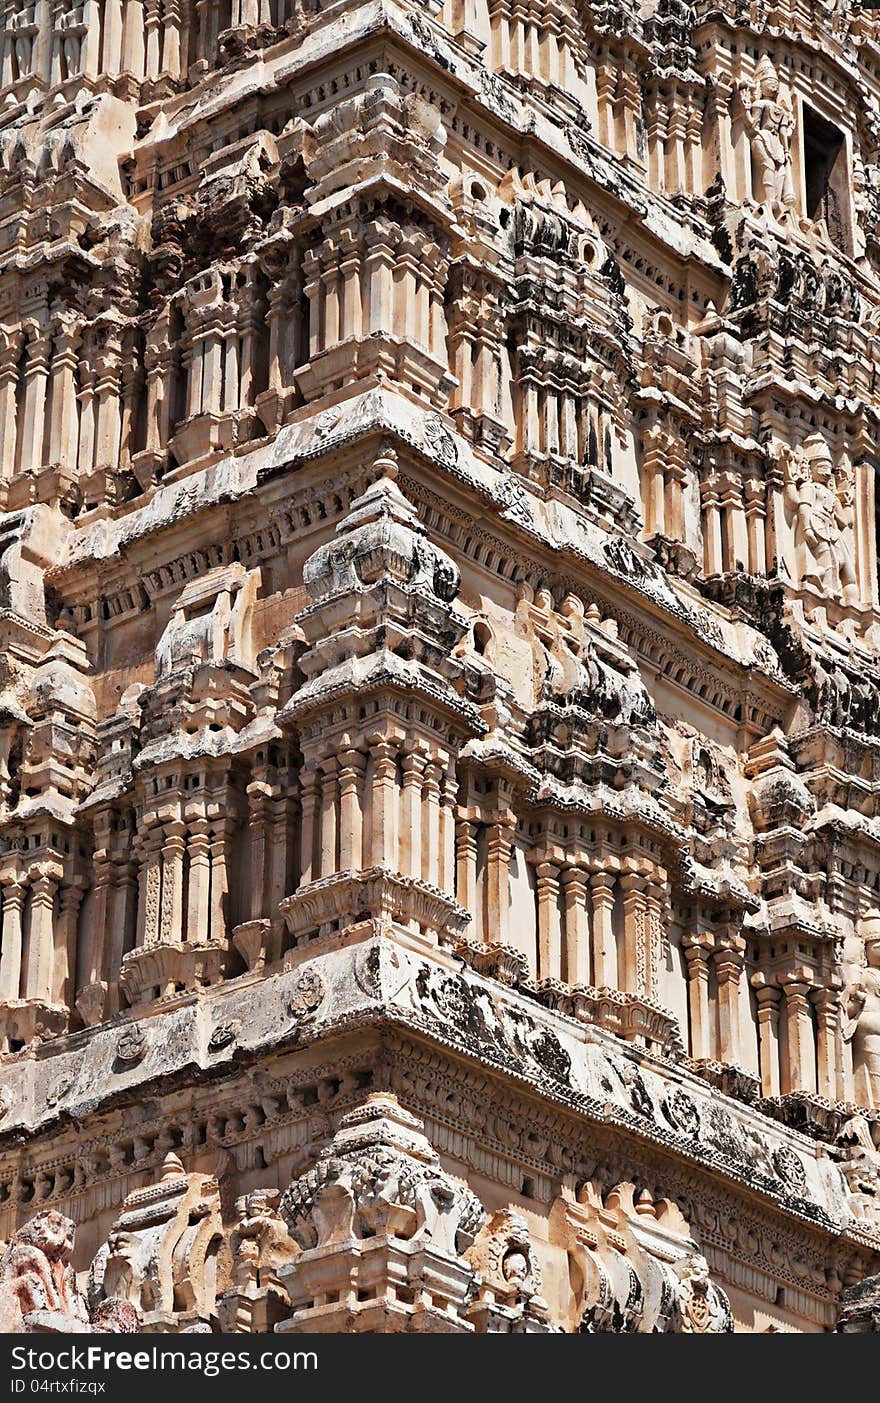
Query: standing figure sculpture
863, 1010
770, 125
822, 522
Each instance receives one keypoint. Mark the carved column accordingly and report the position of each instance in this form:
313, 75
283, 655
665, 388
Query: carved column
329, 815
351, 843
10, 352
697, 949
124, 913
219, 878
829, 1043
498, 849
11, 947
633, 976
448, 804
604, 949
549, 941
728, 973
64, 425
431, 822
64, 977
308, 783
577, 933
150, 878
102, 868
257, 792
198, 849
799, 1033
29, 444
173, 848
411, 814
171, 55
133, 38
108, 410
384, 819
41, 933
466, 864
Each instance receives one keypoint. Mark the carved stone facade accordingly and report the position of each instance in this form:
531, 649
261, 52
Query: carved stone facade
440, 666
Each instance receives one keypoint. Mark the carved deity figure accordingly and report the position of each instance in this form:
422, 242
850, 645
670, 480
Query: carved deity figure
38, 1290
770, 125
260, 1242
36, 1275
701, 1307
863, 1009
822, 520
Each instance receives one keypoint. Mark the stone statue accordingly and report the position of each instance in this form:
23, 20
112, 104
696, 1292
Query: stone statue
822, 521
770, 125
863, 1008
38, 1291
701, 1307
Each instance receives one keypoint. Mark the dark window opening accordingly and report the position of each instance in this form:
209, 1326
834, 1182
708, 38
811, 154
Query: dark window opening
826, 177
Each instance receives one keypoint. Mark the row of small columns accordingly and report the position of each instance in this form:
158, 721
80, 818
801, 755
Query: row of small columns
389, 284
28, 965
41, 407
734, 525
532, 41
664, 472
674, 138
165, 844
411, 825
814, 1035
727, 954
587, 935
141, 37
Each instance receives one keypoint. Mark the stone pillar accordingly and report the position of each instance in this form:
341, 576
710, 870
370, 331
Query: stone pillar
829, 1043
133, 38
498, 849
64, 418
108, 412
549, 942
124, 917
171, 55
604, 949
431, 822
150, 888
466, 864
41, 934
219, 880
257, 792
102, 870
632, 977
329, 816
697, 949
64, 975
577, 932
800, 1039
10, 352
308, 784
173, 848
728, 973
411, 814
383, 839
29, 443
11, 945
351, 843
198, 849
448, 804
111, 45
